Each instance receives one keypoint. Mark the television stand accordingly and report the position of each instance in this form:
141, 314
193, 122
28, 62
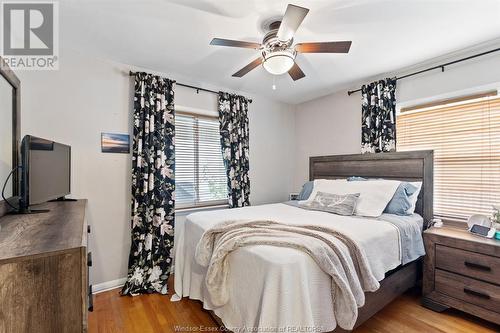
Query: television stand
43, 270
62, 199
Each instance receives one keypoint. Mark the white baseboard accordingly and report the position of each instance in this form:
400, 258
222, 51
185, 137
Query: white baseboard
108, 285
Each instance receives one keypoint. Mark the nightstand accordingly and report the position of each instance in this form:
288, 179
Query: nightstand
462, 271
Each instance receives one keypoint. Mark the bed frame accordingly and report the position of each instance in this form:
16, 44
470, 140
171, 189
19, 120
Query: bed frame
405, 166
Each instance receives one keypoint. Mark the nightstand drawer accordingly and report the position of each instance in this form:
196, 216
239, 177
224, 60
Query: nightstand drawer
472, 291
475, 265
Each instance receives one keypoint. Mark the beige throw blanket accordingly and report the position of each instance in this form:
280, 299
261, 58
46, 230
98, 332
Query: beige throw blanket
335, 253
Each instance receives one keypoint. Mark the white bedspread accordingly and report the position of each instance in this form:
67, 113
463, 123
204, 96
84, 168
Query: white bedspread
273, 287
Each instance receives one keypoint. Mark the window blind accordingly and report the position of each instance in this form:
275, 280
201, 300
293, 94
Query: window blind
200, 176
465, 137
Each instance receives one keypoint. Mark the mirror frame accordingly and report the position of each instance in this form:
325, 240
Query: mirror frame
14, 81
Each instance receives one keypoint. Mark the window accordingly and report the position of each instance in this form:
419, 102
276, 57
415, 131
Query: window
200, 176
465, 137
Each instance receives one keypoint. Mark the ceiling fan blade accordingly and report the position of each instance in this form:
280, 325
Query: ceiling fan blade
296, 73
234, 43
324, 47
294, 16
248, 67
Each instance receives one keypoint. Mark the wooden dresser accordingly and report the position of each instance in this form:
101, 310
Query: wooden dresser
43, 270
462, 271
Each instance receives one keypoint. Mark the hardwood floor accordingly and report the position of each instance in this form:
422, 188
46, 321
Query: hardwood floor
155, 313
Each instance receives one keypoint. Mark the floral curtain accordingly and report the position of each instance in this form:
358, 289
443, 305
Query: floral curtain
153, 186
378, 116
233, 125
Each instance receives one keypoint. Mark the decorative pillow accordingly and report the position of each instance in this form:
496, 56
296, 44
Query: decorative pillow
401, 201
306, 191
341, 204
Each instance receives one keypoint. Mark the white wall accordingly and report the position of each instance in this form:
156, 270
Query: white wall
325, 126
5, 135
88, 96
332, 124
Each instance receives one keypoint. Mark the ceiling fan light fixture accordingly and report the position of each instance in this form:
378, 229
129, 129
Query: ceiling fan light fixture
277, 47
279, 62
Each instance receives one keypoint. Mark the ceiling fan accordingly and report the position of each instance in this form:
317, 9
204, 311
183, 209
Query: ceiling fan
278, 51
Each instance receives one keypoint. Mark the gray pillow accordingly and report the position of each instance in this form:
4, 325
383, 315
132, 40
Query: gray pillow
400, 202
333, 203
306, 191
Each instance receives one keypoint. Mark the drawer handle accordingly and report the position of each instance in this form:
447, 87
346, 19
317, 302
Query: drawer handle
476, 293
477, 266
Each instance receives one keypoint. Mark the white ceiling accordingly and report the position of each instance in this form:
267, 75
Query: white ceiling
173, 36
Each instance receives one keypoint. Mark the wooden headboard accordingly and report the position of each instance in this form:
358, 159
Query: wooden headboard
405, 166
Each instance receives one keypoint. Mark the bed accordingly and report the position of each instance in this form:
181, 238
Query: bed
273, 287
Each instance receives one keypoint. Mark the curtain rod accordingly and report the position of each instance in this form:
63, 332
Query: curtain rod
194, 87
350, 92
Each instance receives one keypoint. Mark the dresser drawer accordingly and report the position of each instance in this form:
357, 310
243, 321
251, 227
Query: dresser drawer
472, 291
475, 265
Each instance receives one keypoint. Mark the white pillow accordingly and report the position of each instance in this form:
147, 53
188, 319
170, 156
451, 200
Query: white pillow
374, 195
318, 184
414, 197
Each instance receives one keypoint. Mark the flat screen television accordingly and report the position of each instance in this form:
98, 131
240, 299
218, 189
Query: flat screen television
45, 173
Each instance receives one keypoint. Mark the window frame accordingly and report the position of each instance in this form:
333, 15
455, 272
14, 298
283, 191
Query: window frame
198, 114
465, 98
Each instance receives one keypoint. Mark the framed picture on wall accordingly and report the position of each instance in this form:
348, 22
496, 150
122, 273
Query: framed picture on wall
115, 143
